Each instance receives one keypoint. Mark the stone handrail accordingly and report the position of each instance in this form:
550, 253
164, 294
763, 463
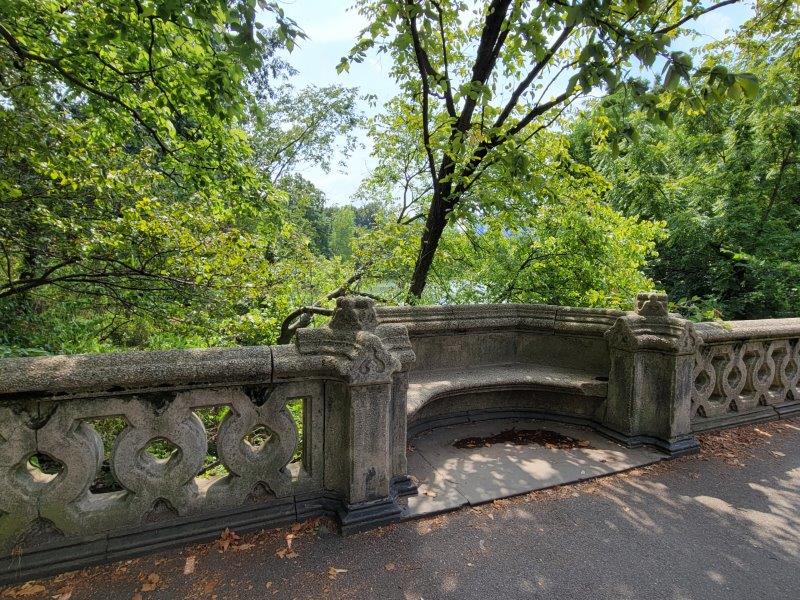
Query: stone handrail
745, 371
350, 378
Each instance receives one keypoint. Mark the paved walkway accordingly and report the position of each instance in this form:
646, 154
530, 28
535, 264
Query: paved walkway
450, 477
725, 524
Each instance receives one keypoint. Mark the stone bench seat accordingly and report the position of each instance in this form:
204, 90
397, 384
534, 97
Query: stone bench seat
425, 386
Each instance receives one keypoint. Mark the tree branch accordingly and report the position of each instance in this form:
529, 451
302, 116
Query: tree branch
525, 83
55, 63
422, 64
696, 15
301, 317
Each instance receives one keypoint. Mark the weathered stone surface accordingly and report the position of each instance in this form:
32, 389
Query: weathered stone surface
645, 377
355, 371
757, 329
652, 304
429, 385
652, 356
19, 483
54, 375
485, 352
746, 370
369, 360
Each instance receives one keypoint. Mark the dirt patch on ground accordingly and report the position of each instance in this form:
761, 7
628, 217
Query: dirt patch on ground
737, 444
524, 437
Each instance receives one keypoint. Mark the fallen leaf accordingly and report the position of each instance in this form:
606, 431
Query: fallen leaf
333, 572
269, 584
390, 566
152, 582
776, 454
241, 547
136, 596
226, 539
188, 568
286, 553
27, 589
65, 595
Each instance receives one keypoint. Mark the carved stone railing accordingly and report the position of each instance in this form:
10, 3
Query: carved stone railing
107, 456
349, 378
745, 371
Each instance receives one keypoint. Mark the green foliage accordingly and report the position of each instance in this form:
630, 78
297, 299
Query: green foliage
135, 210
725, 178
299, 128
152, 196
479, 82
535, 228
306, 205
343, 227
550, 240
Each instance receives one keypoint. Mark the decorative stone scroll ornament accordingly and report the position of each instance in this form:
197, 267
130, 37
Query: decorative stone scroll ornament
359, 346
19, 484
652, 357
652, 304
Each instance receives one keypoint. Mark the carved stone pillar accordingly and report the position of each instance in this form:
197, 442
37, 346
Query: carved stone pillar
650, 383
365, 411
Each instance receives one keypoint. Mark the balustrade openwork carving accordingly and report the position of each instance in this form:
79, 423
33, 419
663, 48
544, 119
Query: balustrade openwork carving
744, 376
110, 455
76, 490
51, 455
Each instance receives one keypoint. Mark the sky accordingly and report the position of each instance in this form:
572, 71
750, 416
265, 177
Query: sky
332, 28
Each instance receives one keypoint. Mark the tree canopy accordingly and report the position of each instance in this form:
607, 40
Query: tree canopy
486, 79
156, 157
726, 178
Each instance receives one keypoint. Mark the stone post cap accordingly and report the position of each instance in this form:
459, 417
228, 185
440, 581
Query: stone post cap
652, 328
652, 304
354, 313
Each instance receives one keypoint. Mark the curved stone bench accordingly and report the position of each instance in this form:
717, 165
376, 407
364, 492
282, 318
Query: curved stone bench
425, 387
478, 362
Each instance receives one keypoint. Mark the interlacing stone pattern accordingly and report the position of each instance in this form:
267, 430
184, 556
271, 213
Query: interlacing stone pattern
740, 377
60, 501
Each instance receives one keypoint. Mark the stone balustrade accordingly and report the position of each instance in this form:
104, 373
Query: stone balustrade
745, 371
346, 382
108, 456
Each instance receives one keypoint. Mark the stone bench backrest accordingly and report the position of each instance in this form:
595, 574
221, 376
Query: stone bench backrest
453, 337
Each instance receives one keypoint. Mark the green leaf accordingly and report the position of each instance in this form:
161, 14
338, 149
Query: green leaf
749, 84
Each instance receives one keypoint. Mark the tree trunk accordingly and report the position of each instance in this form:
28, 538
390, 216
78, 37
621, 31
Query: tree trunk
434, 227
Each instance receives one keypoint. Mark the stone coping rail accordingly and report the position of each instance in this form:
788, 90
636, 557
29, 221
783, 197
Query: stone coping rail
52, 376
